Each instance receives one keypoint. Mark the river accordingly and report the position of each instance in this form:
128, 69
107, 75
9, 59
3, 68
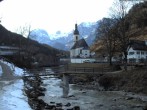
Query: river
12, 97
92, 99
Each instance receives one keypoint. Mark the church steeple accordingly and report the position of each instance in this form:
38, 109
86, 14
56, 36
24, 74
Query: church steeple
76, 33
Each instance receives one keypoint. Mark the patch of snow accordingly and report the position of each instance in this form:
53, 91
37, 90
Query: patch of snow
86, 36
5, 82
88, 24
13, 97
17, 71
58, 35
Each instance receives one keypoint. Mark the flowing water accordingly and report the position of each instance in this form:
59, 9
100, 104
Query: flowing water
12, 97
92, 99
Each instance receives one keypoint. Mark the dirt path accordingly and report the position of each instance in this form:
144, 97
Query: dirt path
7, 72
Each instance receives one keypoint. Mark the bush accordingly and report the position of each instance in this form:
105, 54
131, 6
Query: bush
108, 81
105, 82
116, 67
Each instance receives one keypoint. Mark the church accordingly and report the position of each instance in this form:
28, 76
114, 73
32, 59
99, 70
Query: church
80, 50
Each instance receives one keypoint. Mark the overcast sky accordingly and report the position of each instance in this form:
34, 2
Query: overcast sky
52, 15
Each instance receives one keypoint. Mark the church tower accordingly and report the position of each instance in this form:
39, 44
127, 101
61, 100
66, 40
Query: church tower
76, 33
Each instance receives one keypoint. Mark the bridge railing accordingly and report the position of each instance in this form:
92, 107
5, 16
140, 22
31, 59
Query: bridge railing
88, 69
65, 69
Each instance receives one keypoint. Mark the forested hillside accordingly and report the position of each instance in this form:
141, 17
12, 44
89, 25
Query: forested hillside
30, 50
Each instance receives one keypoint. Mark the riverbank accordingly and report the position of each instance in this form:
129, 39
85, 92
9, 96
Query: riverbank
130, 81
130, 85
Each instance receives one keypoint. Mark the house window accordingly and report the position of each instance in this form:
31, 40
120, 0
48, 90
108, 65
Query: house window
138, 53
142, 53
131, 53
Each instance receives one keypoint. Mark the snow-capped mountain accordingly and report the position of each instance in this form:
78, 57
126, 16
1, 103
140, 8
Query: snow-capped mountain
58, 34
41, 36
64, 41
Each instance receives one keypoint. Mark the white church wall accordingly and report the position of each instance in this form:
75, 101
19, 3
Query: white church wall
77, 51
85, 53
71, 53
81, 60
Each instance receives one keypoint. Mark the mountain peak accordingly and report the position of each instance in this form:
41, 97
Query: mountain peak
64, 40
40, 35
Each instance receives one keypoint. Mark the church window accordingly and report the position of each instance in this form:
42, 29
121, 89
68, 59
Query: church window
80, 51
76, 37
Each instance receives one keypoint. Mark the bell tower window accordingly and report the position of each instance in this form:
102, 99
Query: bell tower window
76, 38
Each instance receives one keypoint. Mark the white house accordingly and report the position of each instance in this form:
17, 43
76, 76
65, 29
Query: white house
80, 50
137, 51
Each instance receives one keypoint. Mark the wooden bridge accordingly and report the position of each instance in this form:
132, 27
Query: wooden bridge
64, 72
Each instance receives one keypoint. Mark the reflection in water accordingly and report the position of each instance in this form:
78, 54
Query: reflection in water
65, 85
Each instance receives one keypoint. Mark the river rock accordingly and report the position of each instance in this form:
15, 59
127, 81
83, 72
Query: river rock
58, 104
52, 102
70, 109
42, 89
68, 104
76, 108
129, 98
145, 107
33, 94
50, 107
71, 96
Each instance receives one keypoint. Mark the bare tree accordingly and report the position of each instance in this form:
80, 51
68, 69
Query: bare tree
118, 12
24, 30
105, 33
